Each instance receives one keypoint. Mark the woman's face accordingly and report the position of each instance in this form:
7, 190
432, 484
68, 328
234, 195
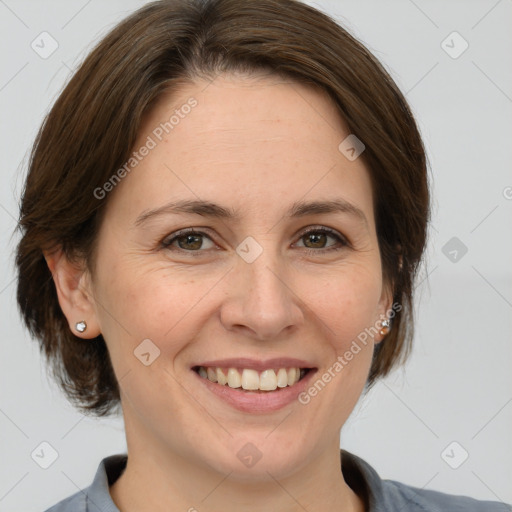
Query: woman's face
251, 292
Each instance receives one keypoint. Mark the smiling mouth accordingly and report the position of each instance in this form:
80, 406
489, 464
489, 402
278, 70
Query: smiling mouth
247, 379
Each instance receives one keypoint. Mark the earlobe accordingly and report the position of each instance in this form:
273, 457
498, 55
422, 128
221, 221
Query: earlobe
385, 319
73, 288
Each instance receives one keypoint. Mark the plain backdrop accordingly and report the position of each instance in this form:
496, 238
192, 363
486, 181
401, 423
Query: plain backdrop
453, 400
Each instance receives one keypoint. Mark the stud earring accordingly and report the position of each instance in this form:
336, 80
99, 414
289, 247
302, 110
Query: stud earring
81, 326
385, 327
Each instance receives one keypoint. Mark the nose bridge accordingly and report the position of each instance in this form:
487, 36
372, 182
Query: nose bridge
264, 272
264, 300
261, 266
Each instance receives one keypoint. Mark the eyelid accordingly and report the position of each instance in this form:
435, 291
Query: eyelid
325, 229
167, 242
204, 231
329, 231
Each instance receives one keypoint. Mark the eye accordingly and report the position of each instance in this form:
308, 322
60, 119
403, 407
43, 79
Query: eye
191, 241
188, 240
318, 237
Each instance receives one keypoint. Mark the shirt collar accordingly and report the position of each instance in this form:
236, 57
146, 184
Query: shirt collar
98, 495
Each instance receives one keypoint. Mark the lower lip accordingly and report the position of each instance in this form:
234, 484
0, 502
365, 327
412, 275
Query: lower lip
257, 402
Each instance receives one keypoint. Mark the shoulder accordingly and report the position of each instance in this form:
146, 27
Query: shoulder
391, 496
74, 503
96, 497
400, 495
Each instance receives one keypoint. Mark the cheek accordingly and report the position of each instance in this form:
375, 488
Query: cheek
149, 301
147, 310
345, 301
346, 307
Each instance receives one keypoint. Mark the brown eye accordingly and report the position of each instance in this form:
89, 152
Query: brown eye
190, 241
316, 240
193, 242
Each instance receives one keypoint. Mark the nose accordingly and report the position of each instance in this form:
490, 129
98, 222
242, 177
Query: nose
262, 303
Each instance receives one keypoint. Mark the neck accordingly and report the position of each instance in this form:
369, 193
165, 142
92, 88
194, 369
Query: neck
156, 480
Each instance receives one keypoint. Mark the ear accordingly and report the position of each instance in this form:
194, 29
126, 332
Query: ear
384, 308
74, 292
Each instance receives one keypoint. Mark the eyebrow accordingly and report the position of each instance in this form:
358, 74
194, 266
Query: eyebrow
213, 210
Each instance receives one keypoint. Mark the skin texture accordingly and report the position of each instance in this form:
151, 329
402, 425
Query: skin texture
256, 144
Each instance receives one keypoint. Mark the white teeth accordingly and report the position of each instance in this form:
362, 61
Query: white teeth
282, 378
268, 380
221, 378
251, 380
211, 373
234, 379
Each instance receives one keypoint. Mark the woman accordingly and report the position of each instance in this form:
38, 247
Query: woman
231, 198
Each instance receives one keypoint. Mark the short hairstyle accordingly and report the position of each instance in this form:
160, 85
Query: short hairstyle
91, 129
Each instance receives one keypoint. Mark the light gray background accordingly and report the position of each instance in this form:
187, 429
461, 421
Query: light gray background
456, 387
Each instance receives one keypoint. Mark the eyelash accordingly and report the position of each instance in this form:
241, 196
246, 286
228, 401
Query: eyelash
167, 242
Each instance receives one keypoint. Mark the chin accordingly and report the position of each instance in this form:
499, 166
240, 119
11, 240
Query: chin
256, 458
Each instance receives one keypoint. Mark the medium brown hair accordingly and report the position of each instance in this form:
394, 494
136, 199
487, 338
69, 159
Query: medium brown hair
91, 129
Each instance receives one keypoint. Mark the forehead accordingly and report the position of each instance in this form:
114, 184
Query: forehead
252, 144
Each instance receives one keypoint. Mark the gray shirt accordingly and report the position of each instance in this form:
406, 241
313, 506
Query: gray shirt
379, 495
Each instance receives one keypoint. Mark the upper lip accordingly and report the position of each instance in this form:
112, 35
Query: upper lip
257, 364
